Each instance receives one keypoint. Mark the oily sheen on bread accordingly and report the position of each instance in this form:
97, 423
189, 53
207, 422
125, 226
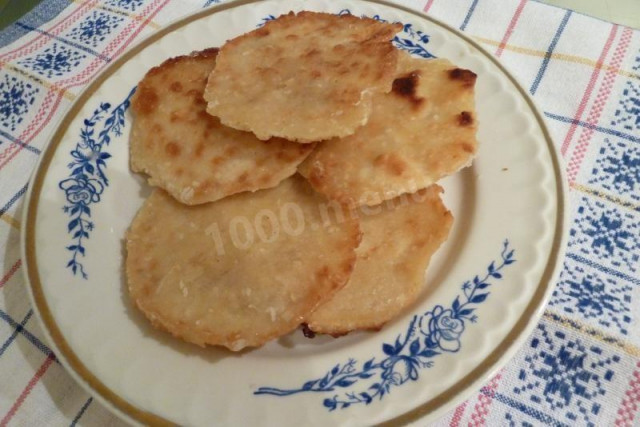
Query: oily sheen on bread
304, 77
188, 152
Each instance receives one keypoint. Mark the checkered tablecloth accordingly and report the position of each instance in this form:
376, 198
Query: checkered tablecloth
581, 366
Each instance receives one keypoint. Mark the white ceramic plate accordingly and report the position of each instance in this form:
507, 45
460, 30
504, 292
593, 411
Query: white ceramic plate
488, 283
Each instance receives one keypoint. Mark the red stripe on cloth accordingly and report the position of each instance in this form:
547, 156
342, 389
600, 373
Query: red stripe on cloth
50, 102
10, 273
631, 401
457, 415
54, 95
145, 23
590, 86
12, 150
34, 380
478, 418
42, 39
427, 6
596, 109
511, 27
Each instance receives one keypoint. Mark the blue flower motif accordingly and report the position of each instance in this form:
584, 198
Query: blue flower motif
87, 180
627, 115
83, 157
565, 377
429, 334
95, 28
414, 43
593, 295
56, 60
607, 232
90, 160
400, 369
82, 189
131, 5
16, 96
443, 329
617, 168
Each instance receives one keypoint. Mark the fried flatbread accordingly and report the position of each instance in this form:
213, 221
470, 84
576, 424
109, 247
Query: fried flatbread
397, 244
188, 152
240, 271
420, 132
304, 77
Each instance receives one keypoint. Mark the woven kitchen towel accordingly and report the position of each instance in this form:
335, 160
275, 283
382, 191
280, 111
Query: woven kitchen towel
581, 366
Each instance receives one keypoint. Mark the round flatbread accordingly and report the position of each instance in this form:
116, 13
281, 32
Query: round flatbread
188, 152
304, 77
240, 271
399, 238
421, 131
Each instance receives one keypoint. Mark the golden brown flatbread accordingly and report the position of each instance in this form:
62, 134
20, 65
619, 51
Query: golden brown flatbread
420, 132
397, 243
188, 152
304, 77
240, 271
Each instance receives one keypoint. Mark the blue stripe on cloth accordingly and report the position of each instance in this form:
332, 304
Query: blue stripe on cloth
65, 41
593, 127
44, 12
81, 412
15, 333
28, 335
472, 9
15, 197
18, 142
604, 269
547, 56
538, 415
210, 2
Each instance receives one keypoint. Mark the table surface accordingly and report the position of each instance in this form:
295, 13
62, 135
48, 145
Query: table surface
625, 12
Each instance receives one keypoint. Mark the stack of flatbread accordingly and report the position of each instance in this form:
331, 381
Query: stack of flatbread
295, 172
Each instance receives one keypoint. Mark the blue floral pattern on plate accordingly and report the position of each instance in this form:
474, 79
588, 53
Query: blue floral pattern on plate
414, 43
87, 180
434, 332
